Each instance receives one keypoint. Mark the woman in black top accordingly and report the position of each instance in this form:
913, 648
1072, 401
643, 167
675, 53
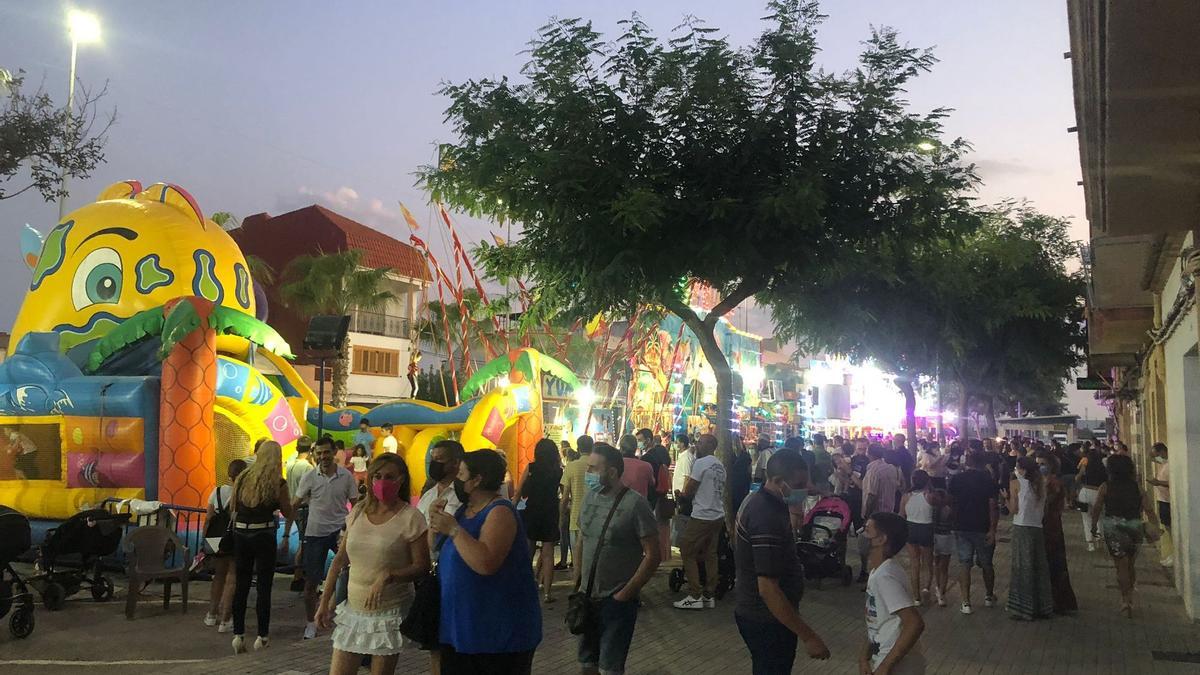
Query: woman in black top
1091, 476
1122, 504
539, 488
258, 492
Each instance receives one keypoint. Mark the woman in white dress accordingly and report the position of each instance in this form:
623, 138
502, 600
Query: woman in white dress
386, 548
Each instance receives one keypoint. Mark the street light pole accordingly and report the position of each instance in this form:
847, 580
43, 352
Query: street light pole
82, 27
62, 197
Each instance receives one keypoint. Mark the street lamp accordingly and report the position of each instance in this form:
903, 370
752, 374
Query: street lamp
83, 28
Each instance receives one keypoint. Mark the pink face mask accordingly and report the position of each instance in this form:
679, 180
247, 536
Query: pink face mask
386, 490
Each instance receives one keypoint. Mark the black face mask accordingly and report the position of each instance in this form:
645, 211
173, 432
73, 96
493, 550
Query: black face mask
437, 470
460, 491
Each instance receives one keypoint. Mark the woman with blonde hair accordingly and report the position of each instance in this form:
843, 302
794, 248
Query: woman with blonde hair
258, 492
386, 548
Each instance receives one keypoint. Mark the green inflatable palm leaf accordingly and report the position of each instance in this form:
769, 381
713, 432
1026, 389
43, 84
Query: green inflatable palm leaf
494, 368
558, 369
227, 321
136, 328
179, 323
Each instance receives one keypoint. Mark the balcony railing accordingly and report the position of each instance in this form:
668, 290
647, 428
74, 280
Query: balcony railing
374, 323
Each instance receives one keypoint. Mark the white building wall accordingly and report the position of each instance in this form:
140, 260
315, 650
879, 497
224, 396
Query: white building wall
1183, 439
378, 388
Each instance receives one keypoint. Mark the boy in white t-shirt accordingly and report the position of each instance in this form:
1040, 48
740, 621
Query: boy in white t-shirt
894, 623
388, 442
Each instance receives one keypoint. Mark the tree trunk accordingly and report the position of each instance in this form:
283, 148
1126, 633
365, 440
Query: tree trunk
724, 377
187, 471
993, 427
341, 375
910, 412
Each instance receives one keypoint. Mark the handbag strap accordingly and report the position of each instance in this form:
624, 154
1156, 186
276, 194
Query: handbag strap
600, 544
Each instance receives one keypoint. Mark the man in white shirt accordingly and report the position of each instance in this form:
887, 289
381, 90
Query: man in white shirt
894, 623
328, 492
293, 471
388, 442
444, 458
684, 458
705, 488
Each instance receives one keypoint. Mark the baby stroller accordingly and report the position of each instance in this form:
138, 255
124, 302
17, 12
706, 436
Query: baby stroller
822, 543
14, 594
90, 534
726, 570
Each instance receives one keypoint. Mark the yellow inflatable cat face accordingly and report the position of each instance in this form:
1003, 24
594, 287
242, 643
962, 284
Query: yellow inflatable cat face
131, 250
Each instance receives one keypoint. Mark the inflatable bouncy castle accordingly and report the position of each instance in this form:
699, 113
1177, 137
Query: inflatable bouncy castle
139, 367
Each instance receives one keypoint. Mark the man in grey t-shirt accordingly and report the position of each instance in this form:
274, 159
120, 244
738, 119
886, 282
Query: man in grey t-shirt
625, 563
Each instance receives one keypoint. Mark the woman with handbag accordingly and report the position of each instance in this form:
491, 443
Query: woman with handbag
386, 548
216, 526
1124, 511
491, 621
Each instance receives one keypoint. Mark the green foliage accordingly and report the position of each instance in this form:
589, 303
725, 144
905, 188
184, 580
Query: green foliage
178, 323
994, 305
334, 283
42, 141
337, 284
636, 163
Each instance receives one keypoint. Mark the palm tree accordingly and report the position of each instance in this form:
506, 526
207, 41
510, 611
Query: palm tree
338, 284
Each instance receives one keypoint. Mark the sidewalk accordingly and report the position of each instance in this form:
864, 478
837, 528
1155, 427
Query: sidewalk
668, 641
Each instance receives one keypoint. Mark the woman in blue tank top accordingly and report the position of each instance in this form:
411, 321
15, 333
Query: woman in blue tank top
490, 618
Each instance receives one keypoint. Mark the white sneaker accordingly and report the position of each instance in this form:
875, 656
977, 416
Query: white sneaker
210, 619
239, 644
310, 630
690, 603
916, 602
941, 599
709, 603
1169, 561
225, 626
989, 601
261, 643
1091, 546
966, 608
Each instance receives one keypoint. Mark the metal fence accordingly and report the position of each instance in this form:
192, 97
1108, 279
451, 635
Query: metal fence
374, 323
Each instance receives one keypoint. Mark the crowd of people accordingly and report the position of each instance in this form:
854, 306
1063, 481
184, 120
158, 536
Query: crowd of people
615, 513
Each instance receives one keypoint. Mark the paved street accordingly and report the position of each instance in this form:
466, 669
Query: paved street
95, 638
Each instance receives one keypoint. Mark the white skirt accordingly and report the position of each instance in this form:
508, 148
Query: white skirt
374, 633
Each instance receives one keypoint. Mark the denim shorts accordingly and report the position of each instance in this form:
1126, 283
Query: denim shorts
973, 549
316, 554
607, 647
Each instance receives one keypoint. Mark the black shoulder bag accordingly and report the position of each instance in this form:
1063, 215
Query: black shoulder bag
423, 621
583, 612
221, 525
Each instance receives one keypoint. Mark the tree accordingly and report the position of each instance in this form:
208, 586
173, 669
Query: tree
41, 142
1020, 326
638, 166
993, 306
338, 284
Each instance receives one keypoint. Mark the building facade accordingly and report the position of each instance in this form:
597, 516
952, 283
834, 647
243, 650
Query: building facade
381, 340
1136, 72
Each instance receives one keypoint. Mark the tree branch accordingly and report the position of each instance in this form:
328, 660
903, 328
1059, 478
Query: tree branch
743, 291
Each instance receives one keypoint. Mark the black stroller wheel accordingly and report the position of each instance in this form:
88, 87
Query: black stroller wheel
102, 589
54, 596
675, 580
21, 622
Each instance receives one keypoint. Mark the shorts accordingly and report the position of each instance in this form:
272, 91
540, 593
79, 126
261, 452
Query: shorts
973, 549
607, 647
943, 544
316, 554
920, 534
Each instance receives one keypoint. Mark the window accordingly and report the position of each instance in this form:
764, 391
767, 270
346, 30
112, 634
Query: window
370, 361
328, 375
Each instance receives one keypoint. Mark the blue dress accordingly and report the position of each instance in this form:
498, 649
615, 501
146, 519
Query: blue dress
494, 614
